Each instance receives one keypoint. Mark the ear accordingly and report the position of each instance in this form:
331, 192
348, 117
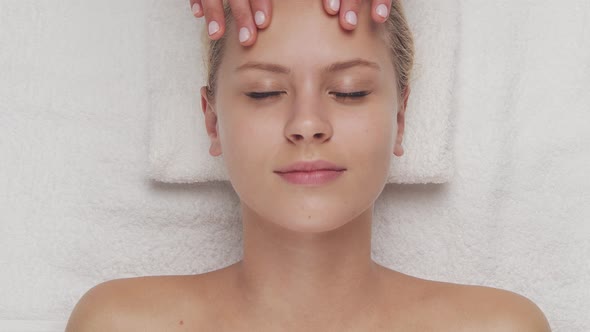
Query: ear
398, 149
211, 123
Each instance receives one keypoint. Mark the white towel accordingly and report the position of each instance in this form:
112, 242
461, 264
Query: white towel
32, 326
179, 145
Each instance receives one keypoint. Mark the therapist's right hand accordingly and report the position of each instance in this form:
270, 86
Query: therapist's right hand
251, 15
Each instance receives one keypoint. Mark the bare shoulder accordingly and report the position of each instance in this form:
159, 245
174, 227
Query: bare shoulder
429, 305
138, 304
480, 308
506, 310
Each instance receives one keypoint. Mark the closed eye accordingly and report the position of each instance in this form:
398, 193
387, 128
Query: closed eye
341, 95
263, 95
353, 95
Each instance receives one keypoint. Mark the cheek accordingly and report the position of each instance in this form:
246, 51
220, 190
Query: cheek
370, 147
248, 147
371, 132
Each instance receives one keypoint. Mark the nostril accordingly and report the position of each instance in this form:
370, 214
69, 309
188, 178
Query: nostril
297, 137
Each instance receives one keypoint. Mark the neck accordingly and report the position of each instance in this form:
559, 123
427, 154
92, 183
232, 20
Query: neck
299, 275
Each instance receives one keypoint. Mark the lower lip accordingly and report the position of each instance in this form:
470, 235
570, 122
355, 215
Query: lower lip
315, 177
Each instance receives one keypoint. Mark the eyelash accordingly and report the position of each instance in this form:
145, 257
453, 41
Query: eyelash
352, 95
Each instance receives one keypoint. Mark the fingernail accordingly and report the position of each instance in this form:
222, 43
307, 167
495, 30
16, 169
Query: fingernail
259, 18
213, 27
335, 5
350, 17
381, 10
244, 34
196, 8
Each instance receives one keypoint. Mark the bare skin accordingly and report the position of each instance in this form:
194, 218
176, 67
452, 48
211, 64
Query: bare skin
307, 249
208, 302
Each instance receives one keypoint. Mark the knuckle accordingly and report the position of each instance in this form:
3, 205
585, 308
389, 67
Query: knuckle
242, 14
241, 17
258, 4
355, 3
209, 5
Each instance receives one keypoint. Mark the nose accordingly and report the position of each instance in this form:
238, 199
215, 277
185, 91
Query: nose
309, 122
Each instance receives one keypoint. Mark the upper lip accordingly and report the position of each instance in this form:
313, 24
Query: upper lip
308, 166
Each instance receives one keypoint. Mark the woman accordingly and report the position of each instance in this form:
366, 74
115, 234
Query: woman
306, 91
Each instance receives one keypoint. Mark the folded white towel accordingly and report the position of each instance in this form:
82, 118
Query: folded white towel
179, 145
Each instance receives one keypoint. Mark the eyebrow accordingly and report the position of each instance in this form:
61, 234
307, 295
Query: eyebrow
334, 67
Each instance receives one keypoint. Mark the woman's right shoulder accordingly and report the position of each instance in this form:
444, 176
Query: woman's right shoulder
139, 303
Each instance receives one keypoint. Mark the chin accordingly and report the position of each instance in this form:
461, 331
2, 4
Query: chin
305, 211
314, 222
310, 227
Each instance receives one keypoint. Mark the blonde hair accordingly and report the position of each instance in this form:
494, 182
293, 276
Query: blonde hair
397, 35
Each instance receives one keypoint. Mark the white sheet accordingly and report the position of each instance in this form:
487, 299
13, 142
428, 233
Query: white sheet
32, 326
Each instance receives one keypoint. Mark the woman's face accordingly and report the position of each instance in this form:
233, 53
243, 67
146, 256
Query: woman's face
306, 121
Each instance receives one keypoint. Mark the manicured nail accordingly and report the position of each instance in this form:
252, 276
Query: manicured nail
196, 8
244, 34
259, 18
381, 10
350, 17
213, 27
335, 5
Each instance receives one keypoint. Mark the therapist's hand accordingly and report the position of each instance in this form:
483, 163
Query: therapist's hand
251, 15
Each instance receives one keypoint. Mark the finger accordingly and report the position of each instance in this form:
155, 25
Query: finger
349, 10
262, 10
380, 10
214, 18
242, 14
332, 6
196, 8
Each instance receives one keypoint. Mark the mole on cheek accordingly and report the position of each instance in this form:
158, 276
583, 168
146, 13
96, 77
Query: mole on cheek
181, 323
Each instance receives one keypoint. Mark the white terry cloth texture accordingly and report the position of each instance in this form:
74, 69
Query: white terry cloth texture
77, 206
32, 326
179, 144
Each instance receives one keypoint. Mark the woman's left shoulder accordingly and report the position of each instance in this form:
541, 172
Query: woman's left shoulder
496, 309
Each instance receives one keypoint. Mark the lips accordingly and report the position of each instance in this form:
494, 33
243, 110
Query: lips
311, 177
311, 166
311, 172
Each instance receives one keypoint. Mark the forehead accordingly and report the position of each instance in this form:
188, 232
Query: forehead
303, 36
